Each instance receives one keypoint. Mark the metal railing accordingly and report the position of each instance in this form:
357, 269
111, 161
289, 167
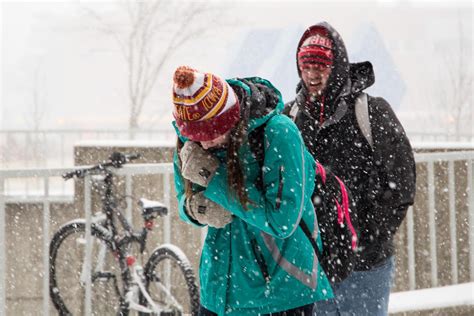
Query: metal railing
428, 159
416, 299
439, 137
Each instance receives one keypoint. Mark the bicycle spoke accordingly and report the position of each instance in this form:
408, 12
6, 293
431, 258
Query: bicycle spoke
170, 301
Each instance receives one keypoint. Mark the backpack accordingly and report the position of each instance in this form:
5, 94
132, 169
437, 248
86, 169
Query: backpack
331, 202
338, 226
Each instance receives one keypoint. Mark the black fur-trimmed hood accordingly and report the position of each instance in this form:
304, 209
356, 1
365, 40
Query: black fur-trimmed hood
346, 78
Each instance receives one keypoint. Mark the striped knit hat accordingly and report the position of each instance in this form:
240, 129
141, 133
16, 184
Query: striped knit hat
316, 49
205, 106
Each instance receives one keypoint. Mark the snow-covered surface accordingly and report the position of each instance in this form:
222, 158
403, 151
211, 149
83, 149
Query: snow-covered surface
12, 197
443, 145
171, 142
434, 298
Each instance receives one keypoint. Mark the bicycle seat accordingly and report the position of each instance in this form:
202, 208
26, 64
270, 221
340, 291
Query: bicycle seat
152, 208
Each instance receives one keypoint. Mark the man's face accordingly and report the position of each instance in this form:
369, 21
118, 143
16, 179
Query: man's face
315, 77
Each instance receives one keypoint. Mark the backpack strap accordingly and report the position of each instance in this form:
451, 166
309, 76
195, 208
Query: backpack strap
307, 233
294, 111
363, 118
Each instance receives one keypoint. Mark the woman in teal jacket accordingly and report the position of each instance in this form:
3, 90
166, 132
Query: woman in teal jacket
255, 257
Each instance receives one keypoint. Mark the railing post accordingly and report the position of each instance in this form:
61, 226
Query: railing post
63, 160
432, 224
46, 228
167, 200
411, 249
452, 223
470, 196
167, 225
2, 249
87, 266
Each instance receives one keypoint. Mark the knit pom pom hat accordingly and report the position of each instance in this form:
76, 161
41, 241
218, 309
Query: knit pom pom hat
205, 106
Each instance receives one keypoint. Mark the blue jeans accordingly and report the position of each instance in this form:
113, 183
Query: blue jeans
362, 293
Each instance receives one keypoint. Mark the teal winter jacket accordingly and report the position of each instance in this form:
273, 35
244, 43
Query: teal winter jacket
262, 262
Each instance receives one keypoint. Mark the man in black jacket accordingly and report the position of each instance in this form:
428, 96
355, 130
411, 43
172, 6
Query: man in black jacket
359, 138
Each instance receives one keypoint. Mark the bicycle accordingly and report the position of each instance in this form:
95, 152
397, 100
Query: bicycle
150, 290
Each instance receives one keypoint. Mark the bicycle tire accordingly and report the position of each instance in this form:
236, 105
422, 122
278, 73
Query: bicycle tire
59, 245
177, 257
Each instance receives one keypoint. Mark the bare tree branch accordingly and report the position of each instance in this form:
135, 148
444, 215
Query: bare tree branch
145, 54
455, 89
107, 29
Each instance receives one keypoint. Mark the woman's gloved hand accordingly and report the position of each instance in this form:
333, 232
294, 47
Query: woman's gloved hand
197, 165
207, 212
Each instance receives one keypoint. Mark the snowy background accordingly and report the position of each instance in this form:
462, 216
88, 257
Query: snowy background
59, 62
67, 78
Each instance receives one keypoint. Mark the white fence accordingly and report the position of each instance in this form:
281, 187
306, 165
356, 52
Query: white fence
454, 294
45, 175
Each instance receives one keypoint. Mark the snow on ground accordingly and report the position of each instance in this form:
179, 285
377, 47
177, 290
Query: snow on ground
434, 298
443, 145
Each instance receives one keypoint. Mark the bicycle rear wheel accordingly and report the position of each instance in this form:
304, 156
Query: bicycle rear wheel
67, 271
170, 282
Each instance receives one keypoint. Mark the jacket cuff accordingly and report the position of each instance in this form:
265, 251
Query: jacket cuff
184, 214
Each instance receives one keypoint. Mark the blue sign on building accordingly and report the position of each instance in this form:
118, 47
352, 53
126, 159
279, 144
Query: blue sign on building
368, 44
270, 54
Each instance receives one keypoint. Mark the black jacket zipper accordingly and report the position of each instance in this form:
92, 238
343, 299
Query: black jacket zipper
260, 260
280, 189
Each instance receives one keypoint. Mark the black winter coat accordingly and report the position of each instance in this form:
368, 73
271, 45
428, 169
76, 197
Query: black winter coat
381, 177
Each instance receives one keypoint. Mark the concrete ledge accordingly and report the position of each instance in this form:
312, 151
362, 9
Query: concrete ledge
434, 298
441, 146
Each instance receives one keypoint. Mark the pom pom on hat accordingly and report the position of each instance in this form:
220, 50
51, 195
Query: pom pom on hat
183, 77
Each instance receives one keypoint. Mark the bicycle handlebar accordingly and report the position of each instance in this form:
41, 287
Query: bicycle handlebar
116, 160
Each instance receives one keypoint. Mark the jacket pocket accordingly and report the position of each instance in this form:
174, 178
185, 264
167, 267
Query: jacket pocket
260, 260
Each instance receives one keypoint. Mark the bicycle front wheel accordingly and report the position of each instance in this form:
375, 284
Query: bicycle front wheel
68, 271
170, 282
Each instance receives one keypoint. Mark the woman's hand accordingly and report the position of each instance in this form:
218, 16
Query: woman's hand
207, 212
197, 165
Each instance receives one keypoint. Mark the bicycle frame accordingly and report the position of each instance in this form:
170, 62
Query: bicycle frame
131, 272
